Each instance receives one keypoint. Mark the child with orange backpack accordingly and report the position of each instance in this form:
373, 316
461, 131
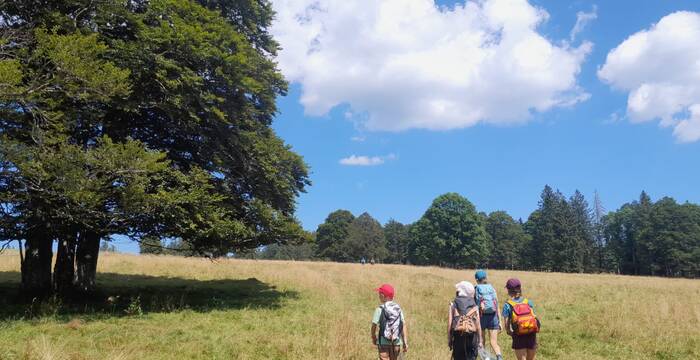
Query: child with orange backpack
463, 324
521, 323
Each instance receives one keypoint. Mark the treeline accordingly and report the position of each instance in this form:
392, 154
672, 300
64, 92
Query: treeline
564, 234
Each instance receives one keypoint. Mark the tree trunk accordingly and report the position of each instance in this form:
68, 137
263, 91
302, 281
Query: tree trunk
36, 267
86, 260
64, 269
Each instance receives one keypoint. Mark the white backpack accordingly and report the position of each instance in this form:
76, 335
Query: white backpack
390, 323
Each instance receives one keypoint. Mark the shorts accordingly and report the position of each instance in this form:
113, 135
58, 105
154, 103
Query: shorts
528, 341
387, 353
490, 322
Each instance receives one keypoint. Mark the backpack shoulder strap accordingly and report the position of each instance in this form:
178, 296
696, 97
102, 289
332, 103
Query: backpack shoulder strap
382, 321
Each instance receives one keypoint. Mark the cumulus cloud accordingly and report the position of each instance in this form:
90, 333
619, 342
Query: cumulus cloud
582, 19
354, 160
660, 67
401, 64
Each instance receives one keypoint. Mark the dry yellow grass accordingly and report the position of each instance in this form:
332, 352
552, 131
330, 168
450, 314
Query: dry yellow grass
323, 310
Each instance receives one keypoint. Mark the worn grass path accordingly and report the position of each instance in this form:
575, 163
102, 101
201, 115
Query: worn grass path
245, 309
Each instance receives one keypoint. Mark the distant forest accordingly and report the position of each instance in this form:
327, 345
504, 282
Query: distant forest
563, 234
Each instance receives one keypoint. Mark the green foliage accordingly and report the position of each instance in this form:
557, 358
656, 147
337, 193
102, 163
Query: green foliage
508, 240
151, 245
365, 240
149, 119
396, 235
296, 252
450, 232
344, 237
662, 238
562, 234
331, 235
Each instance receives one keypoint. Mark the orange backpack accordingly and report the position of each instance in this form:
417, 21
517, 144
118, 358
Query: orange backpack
523, 319
466, 323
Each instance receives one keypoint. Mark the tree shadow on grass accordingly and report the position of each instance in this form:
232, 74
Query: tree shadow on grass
127, 295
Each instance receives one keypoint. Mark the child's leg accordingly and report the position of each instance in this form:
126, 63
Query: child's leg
493, 338
389, 352
531, 354
521, 354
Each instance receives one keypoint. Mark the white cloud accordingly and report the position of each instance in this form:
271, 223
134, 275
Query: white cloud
358, 138
582, 19
401, 64
354, 160
660, 67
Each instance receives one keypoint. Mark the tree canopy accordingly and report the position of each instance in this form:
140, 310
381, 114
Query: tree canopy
149, 119
450, 232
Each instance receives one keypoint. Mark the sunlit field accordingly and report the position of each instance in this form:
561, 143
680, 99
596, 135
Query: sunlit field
169, 307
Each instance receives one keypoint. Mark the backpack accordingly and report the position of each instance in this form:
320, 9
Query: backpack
390, 323
487, 299
523, 319
465, 323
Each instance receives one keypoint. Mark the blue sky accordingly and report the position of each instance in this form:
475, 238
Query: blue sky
372, 82
504, 167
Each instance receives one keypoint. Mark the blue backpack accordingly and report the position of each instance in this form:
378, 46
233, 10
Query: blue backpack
486, 296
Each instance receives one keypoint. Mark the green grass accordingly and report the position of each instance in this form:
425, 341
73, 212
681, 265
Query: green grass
244, 309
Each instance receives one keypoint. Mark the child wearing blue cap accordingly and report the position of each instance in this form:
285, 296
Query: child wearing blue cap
487, 300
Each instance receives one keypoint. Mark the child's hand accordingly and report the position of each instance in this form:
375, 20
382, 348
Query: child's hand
405, 347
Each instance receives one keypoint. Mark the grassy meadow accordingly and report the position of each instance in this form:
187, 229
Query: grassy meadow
184, 308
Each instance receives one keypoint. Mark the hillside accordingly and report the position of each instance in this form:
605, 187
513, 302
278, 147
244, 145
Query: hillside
244, 309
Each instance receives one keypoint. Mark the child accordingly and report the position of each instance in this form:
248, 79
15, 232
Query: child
521, 323
464, 342
487, 300
388, 319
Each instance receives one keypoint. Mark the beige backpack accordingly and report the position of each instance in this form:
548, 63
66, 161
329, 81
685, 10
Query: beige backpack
466, 323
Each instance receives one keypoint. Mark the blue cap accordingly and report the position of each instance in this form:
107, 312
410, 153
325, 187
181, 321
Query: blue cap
480, 275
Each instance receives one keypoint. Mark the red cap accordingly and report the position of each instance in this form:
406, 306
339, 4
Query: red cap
386, 290
513, 283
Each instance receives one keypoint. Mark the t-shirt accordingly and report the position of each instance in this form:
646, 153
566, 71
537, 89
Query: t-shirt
507, 309
375, 320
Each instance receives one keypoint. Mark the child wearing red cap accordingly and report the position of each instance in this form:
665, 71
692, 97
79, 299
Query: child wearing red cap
388, 319
521, 323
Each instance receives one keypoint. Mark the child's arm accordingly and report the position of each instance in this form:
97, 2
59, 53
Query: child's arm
404, 336
449, 328
374, 334
478, 329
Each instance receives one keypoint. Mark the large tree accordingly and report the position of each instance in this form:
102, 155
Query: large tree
331, 235
365, 239
450, 233
396, 235
143, 118
581, 242
508, 241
